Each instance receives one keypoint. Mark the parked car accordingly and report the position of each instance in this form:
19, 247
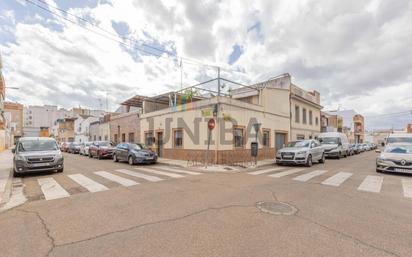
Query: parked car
134, 153
84, 148
64, 146
396, 157
74, 147
352, 149
336, 144
366, 147
36, 154
101, 149
302, 152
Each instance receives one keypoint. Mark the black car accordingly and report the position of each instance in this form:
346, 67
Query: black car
134, 153
74, 147
35, 154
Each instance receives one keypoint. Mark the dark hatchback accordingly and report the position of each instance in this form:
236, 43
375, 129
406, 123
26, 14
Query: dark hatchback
74, 147
37, 154
134, 153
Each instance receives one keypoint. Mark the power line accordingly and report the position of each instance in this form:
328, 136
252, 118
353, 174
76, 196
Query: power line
131, 40
390, 114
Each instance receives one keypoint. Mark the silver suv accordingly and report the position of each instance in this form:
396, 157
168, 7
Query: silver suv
36, 154
301, 152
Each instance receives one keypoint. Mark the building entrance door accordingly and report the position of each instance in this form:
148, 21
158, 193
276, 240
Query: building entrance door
160, 144
280, 140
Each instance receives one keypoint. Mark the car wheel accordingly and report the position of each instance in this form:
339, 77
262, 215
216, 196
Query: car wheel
90, 155
60, 170
309, 161
16, 175
378, 171
131, 162
115, 158
322, 160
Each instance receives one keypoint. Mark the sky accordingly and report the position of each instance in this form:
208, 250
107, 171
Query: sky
356, 53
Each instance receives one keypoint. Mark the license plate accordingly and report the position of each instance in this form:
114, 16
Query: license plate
40, 164
403, 170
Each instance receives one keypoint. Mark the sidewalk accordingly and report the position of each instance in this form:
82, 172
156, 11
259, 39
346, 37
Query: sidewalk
216, 168
6, 176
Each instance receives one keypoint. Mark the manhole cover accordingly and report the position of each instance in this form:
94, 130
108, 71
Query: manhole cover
277, 208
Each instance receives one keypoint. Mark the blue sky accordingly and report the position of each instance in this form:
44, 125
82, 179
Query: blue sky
357, 54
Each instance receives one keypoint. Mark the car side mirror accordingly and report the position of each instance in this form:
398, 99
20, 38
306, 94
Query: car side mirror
378, 151
13, 150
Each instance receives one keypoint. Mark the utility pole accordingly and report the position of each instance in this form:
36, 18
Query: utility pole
218, 81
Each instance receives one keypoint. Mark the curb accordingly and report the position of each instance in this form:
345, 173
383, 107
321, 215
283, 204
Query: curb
5, 196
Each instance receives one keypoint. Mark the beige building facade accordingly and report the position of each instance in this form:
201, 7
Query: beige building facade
16, 119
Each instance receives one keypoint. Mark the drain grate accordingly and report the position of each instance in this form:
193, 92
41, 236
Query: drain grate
276, 208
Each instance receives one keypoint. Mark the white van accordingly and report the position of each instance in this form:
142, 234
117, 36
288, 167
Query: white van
336, 144
399, 138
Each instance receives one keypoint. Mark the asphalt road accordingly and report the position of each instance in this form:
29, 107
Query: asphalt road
341, 208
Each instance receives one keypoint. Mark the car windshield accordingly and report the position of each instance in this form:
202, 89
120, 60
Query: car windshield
392, 140
407, 149
302, 144
37, 145
330, 140
137, 146
104, 144
292, 143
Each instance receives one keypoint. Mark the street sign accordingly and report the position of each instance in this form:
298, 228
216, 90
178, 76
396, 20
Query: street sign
211, 124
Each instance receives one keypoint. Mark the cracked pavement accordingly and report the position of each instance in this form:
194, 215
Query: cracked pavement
212, 215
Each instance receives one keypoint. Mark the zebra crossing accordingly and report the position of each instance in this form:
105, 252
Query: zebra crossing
51, 188
369, 183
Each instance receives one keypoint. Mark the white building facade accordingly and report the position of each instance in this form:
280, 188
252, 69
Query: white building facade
82, 127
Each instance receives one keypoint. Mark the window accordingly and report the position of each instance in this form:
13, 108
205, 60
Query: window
178, 138
106, 138
304, 116
238, 137
148, 138
123, 137
100, 138
300, 137
297, 114
94, 138
266, 138
115, 138
310, 118
317, 121
131, 137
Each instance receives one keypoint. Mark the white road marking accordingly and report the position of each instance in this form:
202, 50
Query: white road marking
122, 181
87, 183
51, 189
337, 179
139, 175
285, 173
172, 175
407, 187
310, 175
371, 184
259, 172
179, 170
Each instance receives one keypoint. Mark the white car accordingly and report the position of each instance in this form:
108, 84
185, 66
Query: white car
301, 152
396, 157
84, 148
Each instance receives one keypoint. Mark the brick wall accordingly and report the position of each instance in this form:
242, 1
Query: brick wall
223, 157
126, 124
